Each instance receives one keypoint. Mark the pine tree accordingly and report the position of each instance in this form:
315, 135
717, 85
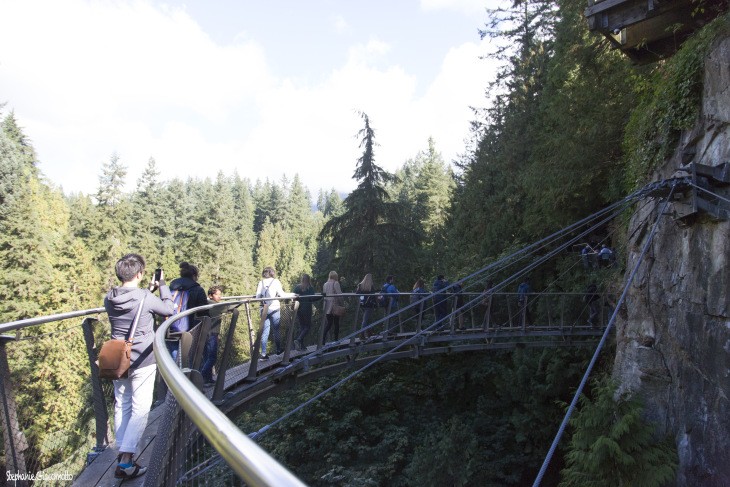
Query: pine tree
368, 236
111, 232
424, 192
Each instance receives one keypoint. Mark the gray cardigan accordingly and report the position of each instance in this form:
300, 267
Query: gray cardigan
121, 306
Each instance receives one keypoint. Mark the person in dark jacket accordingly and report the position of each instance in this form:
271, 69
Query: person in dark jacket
306, 299
368, 302
210, 352
187, 282
133, 394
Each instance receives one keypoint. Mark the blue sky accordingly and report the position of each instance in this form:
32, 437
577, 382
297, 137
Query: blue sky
262, 88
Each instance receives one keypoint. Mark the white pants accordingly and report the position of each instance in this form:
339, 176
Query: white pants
133, 400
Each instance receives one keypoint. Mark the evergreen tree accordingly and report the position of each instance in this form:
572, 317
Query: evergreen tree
425, 190
368, 236
148, 216
613, 445
112, 229
225, 265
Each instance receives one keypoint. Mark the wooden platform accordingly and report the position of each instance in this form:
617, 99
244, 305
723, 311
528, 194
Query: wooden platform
101, 471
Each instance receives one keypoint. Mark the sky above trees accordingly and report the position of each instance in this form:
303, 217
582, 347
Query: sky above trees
264, 88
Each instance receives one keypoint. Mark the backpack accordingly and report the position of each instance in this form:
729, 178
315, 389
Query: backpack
180, 298
368, 301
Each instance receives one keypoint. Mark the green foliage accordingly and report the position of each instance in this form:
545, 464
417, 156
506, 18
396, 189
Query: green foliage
477, 419
369, 234
424, 189
669, 103
613, 445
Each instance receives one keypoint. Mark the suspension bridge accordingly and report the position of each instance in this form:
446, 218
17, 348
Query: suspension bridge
191, 438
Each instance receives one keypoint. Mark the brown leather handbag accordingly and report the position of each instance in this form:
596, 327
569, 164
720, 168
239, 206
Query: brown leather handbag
115, 354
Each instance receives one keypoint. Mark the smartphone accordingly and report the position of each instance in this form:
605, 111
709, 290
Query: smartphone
158, 274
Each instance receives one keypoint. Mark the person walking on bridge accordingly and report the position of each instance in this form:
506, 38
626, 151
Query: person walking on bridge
133, 394
331, 289
210, 352
306, 299
523, 292
270, 287
440, 300
367, 302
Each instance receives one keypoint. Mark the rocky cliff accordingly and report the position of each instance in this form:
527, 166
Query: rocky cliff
673, 340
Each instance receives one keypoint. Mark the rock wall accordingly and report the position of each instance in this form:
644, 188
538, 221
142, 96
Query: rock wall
673, 341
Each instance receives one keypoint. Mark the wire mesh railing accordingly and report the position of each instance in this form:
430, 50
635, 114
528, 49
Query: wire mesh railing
53, 414
58, 418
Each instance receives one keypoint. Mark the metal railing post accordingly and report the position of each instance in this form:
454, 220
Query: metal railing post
290, 335
509, 310
524, 315
488, 314
220, 381
100, 412
320, 340
197, 356
251, 332
14, 439
254, 364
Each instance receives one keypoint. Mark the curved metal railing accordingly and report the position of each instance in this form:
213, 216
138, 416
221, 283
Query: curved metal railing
253, 464
244, 457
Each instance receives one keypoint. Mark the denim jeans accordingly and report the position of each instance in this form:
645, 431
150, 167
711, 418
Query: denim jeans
210, 355
272, 321
132, 403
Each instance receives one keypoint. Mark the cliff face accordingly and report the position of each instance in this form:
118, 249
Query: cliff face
673, 341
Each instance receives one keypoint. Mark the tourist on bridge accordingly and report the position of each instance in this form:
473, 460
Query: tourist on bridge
210, 352
270, 287
367, 301
417, 294
332, 303
133, 394
523, 292
605, 256
187, 294
419, 290
306, 299
440, 300
391, 294
585, 255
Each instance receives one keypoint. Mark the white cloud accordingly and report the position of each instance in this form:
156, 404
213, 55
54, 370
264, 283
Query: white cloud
87, 79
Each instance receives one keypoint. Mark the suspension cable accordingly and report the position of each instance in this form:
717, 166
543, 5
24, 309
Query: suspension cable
594, 359
446, 319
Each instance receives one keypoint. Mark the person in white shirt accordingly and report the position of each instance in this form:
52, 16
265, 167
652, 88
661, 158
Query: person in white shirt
270, 287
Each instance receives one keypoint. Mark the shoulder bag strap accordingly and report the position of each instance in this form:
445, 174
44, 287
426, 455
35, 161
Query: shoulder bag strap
133, 329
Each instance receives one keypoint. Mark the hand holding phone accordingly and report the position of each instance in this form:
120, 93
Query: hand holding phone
155, 282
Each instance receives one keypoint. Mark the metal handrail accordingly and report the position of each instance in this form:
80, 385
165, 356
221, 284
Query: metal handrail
15, 325
251, 462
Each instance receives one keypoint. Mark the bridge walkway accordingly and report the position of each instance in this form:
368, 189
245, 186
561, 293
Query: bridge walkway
242, 392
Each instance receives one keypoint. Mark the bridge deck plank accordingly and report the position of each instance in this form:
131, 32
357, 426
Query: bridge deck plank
101, 470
